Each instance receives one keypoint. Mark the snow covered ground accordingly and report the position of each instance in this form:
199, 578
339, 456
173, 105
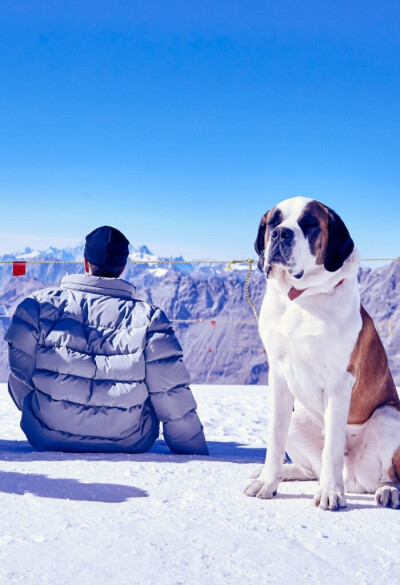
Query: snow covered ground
161, 518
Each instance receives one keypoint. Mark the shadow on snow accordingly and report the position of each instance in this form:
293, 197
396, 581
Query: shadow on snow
12, 482
220, 451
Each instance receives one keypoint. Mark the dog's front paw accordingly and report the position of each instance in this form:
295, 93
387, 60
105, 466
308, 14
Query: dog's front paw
388, 496
261, 489
330, 499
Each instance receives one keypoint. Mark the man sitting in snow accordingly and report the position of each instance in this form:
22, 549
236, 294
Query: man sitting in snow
94, 369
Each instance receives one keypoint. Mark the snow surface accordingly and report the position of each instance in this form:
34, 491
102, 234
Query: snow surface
168, 519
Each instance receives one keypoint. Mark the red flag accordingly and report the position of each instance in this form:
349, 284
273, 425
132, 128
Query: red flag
19, 268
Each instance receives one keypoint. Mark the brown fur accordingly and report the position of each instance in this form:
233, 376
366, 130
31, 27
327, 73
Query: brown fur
328, 237
319, 244
260, 242
263, 234
396, 464
374, 385
268, 216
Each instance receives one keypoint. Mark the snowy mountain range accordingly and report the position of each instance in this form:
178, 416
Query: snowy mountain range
211, 315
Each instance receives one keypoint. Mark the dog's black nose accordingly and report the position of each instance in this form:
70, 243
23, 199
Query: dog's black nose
283, 234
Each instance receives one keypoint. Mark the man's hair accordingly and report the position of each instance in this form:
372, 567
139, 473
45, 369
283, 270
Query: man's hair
107, 271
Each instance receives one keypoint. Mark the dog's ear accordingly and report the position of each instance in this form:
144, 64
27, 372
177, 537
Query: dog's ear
339, 245
259, 244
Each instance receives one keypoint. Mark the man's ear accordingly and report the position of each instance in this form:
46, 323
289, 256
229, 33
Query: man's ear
86, 264
340, 245
259, 244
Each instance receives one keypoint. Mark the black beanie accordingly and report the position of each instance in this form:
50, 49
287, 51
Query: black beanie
106, 246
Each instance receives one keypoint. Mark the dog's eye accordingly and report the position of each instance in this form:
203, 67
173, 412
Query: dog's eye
311, 224
308, 223
273, 223
274, 219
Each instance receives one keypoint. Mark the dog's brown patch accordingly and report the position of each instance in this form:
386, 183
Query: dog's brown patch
314, 224
374, 385
268, 222
396, 464
327, 235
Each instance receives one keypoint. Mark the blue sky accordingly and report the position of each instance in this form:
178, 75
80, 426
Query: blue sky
181, 122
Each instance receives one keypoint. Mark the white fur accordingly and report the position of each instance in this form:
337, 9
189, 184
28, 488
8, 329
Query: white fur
309, 342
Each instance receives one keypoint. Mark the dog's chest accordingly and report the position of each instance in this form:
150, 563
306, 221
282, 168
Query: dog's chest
308, 346
290, 331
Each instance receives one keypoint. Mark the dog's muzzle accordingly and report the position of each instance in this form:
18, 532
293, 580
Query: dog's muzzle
282, 240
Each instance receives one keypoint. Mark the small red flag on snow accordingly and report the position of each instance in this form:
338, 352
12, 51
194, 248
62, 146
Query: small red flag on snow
213, 323
19, 268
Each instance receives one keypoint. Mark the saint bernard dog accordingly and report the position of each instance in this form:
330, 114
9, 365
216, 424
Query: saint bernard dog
324, 352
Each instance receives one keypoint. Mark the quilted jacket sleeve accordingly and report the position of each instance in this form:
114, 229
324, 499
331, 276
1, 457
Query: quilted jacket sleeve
22, 337
168, 382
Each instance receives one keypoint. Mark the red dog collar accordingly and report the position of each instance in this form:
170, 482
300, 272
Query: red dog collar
294, 293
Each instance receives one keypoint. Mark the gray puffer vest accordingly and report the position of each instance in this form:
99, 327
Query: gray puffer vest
94, 369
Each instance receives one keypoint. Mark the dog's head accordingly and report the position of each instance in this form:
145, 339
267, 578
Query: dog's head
304, 239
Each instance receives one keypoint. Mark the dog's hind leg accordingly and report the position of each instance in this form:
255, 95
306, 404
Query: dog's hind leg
373, 462
304, 446
388, 495
295, 472
290, 472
